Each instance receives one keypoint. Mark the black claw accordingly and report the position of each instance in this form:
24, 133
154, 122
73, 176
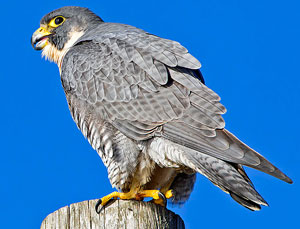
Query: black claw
97, 206
102, 207
163, 197
173, 194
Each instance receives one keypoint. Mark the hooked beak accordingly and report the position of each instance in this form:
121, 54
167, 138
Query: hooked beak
39, 38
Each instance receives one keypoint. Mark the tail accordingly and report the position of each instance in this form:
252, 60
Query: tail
228, 176
231, 178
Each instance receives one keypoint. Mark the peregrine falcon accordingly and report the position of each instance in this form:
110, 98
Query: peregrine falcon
142, 103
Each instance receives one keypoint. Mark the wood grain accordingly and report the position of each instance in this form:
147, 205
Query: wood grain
120, 214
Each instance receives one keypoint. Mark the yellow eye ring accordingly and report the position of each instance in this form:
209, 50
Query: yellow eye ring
57, 21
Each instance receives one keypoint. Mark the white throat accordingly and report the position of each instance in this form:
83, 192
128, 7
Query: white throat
50, 52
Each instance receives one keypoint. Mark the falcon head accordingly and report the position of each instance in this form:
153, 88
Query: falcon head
60, 29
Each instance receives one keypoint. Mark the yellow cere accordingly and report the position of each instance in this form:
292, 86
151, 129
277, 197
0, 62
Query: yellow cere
42, 31
57, 21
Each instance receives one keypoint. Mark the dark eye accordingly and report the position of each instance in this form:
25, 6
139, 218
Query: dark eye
59, 20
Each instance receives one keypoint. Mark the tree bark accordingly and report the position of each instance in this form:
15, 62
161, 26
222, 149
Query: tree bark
120, 214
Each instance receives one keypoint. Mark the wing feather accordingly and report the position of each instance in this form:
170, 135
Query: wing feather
146, 86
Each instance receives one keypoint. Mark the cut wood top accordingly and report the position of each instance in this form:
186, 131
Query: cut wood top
120, 214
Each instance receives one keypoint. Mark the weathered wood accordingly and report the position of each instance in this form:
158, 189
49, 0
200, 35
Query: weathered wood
120, 214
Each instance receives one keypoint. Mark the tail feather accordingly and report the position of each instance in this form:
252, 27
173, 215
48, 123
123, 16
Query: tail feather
246, 203
229, 178
264, 165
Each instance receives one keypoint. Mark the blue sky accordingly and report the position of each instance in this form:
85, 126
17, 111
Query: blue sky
250, 55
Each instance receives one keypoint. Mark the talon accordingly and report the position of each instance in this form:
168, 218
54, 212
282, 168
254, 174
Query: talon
105, 200
100, 202
110, 198
97, 206
163, 198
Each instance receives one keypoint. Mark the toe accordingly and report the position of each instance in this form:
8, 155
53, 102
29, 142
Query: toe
169, 194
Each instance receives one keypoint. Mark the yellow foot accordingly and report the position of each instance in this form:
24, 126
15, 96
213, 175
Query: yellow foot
114, 195
158, 197
162, 201
155, 194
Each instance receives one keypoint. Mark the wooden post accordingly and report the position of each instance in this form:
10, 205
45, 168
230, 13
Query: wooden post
120, 214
